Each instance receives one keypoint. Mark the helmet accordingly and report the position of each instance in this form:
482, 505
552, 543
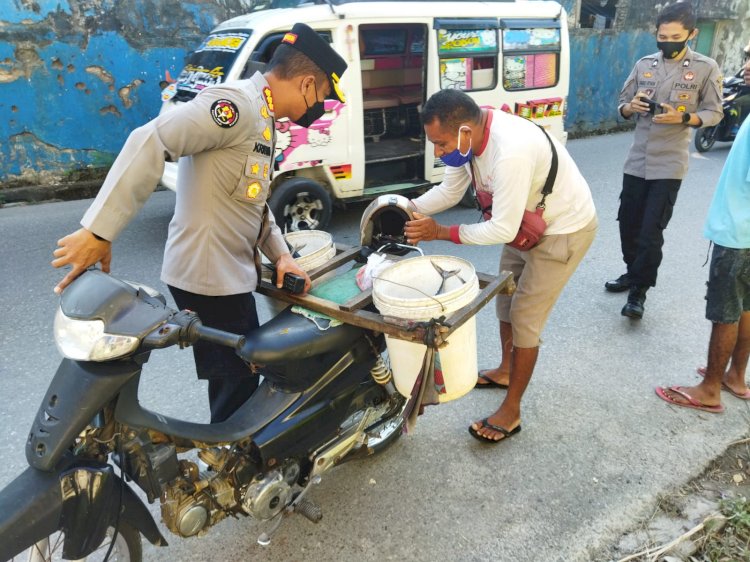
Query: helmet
383, 221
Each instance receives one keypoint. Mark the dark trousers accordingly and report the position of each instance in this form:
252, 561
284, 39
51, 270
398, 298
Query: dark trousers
645, 209
230, 380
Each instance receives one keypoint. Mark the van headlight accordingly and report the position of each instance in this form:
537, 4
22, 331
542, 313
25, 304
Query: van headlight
85, 340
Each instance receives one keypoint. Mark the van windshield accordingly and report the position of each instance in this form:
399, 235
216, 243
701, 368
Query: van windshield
210, 62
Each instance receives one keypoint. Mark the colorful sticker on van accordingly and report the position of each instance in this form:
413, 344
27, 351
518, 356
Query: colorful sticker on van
343, 172
295, 144
224, 42
467, 40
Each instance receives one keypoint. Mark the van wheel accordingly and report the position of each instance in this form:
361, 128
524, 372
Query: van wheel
301, 204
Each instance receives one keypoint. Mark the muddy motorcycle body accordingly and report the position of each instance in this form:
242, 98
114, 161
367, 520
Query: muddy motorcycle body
325, 399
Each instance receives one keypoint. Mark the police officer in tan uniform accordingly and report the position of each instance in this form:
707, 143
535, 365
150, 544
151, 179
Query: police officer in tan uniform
686, 88
224, 141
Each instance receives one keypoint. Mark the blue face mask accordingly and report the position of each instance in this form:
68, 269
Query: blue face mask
456, 159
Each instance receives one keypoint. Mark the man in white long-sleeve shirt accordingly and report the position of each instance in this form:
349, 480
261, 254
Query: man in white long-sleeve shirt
509, 159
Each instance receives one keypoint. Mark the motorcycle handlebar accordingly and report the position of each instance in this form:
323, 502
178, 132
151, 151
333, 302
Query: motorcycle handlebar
220, 337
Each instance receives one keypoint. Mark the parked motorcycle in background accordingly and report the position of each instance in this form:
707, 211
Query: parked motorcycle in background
726, 130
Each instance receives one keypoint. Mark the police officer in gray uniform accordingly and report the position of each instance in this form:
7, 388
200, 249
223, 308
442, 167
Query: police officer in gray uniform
667, 93
223, 140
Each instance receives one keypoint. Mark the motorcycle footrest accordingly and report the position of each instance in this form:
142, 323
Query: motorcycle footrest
309, 509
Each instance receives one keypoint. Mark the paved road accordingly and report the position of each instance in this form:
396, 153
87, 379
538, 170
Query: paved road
597, 445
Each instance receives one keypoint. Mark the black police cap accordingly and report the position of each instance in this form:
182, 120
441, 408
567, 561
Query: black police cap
303, 38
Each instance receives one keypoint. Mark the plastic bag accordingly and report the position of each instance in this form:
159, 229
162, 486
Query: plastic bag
375, 264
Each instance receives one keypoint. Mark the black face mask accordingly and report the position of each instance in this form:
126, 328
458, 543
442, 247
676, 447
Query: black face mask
670, 49
313, 113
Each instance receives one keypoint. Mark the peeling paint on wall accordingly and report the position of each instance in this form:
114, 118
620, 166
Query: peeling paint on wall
76, 76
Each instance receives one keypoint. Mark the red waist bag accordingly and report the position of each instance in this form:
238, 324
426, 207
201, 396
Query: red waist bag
532, 224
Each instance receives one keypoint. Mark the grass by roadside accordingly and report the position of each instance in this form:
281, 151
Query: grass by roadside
707, 520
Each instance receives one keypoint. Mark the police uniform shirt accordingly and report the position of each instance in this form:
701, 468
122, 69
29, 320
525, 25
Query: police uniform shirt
693, 85
223, 140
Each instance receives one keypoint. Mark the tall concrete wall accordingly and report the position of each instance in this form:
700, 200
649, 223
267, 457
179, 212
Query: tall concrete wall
602, 60
77, 75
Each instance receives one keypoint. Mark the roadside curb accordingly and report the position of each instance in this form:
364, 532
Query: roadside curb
29, 194
59, 192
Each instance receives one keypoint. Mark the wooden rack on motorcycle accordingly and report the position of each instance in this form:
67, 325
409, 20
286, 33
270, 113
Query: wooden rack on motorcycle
433, 333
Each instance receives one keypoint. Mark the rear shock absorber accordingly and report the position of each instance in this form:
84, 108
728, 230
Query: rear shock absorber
381, 373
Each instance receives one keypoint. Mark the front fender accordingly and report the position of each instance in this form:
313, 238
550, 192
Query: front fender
77, 392
81, 500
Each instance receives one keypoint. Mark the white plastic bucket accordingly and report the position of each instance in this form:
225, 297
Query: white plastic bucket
408, 290
315, 247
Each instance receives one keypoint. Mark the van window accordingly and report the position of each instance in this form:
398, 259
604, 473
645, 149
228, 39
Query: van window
531, 53
468, 51
210, 62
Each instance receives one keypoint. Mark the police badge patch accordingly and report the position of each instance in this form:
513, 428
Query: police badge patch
224, 113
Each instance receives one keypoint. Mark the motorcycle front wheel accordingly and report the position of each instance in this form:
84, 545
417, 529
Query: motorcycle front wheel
705, 138
127, 548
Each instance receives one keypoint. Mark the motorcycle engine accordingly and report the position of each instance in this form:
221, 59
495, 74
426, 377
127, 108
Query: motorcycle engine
267, 496
189, 510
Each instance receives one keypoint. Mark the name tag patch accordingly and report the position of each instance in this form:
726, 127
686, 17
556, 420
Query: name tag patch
263, 149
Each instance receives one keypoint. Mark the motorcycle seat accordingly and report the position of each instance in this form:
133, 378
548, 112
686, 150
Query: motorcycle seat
290, 336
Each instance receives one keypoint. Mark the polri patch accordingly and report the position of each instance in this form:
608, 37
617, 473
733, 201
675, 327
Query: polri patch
224, 113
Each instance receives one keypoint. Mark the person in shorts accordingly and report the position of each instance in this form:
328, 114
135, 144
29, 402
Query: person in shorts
728, 294
509, 160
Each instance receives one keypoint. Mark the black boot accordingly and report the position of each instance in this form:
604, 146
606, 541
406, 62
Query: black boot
634, 307
622, 283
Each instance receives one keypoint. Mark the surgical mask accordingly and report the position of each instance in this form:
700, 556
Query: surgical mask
456, 159
670, 49
313, 113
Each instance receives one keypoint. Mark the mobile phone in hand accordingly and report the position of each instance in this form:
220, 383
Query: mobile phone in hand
654, 107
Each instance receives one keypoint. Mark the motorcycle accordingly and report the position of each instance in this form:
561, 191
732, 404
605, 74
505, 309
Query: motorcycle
726, 130
326, 398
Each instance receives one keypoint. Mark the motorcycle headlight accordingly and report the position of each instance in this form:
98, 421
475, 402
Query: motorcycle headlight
85, 340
